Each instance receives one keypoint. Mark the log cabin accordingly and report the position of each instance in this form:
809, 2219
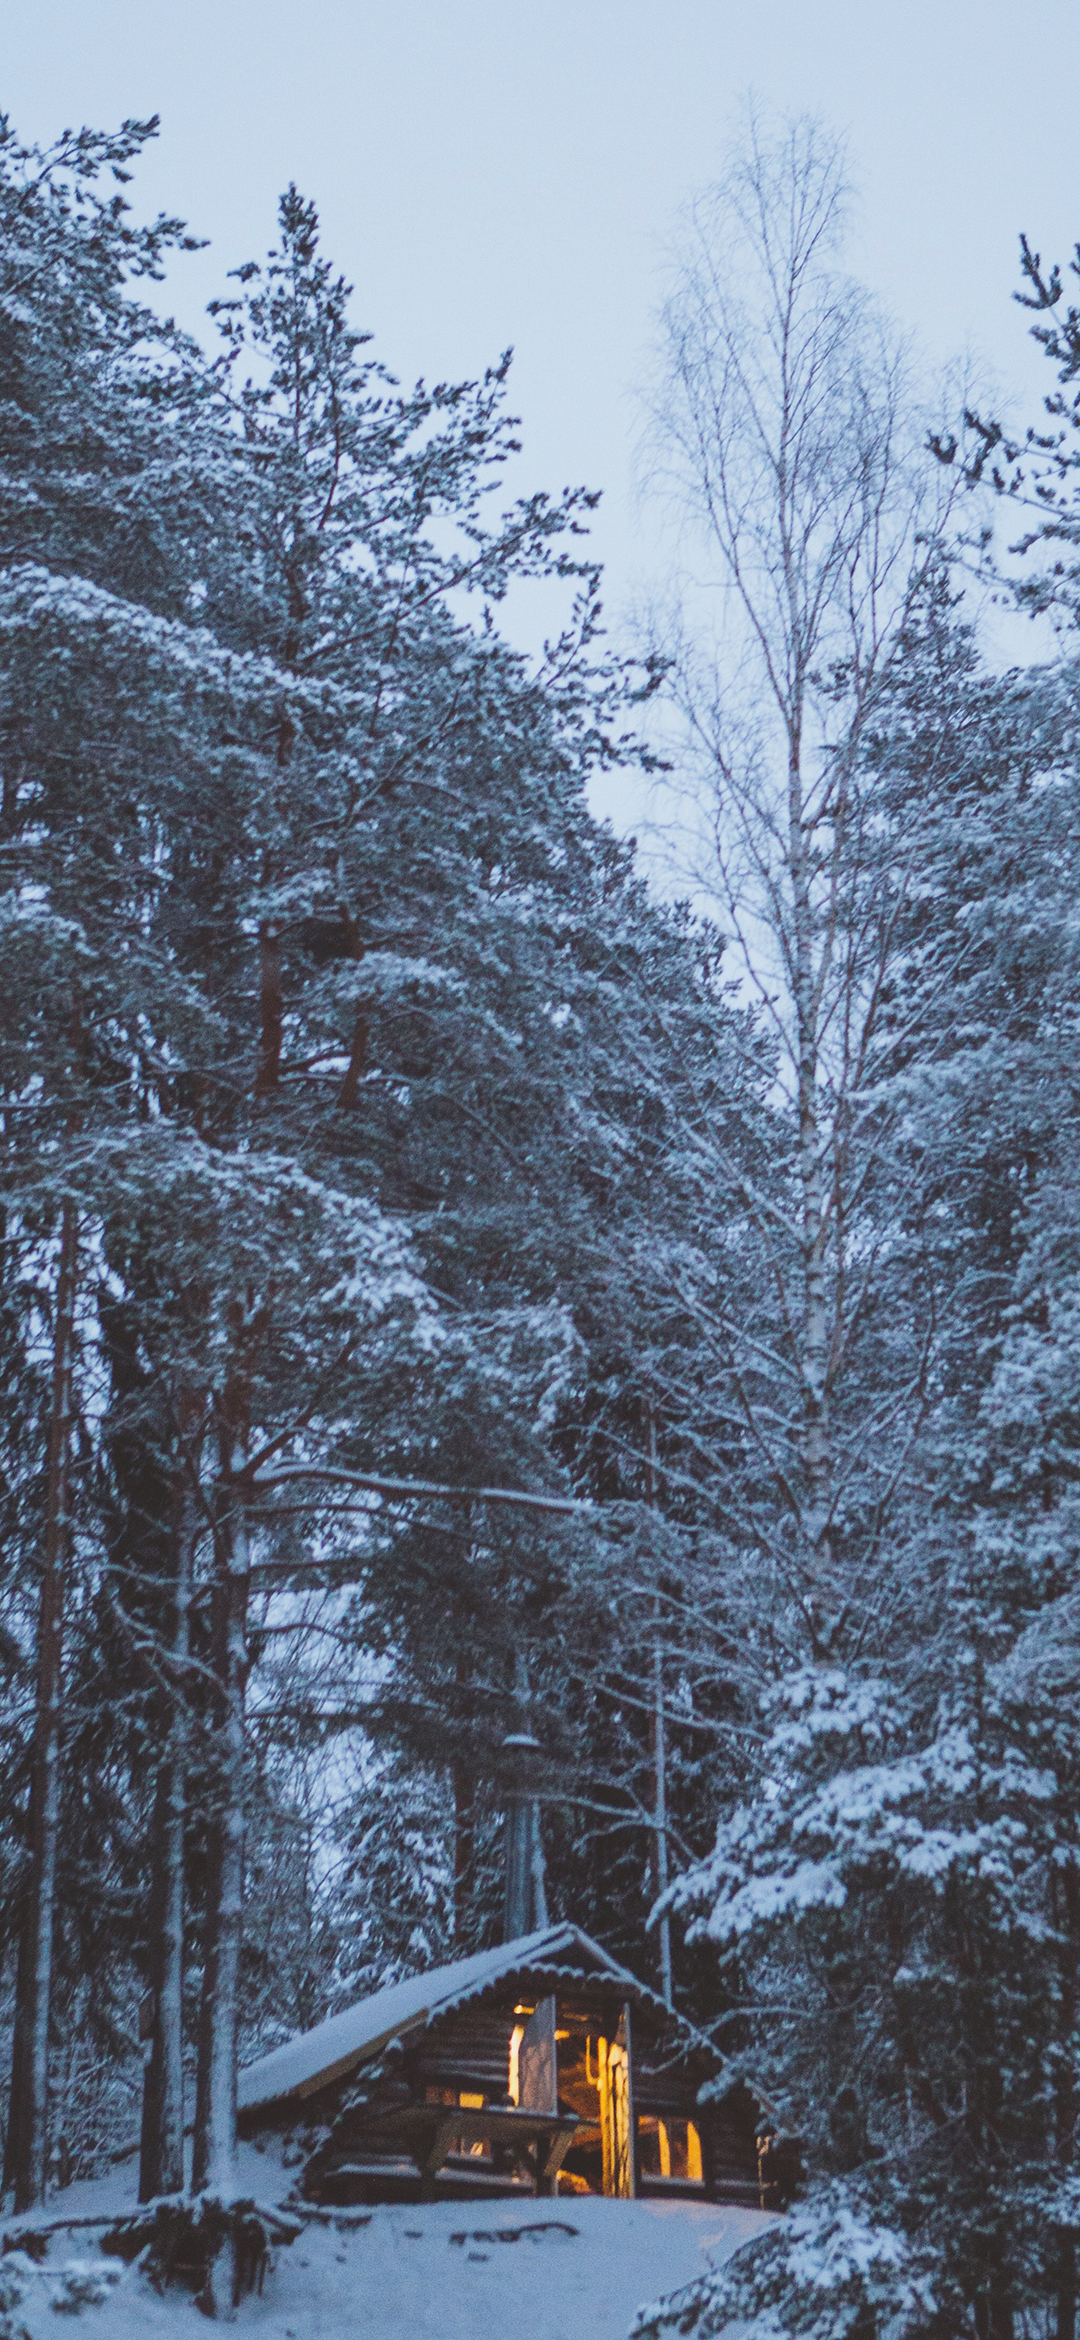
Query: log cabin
541, 2067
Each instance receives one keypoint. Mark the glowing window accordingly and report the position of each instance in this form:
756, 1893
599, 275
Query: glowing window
670, 2148
514, 2089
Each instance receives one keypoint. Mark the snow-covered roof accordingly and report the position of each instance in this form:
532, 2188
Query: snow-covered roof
333, 2048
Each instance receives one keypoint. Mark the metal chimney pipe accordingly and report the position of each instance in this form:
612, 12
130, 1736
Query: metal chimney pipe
524, 1898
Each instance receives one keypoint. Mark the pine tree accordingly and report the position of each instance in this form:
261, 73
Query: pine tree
100, 414
322, 982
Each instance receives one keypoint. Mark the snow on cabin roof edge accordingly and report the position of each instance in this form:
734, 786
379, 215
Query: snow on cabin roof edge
343, 2041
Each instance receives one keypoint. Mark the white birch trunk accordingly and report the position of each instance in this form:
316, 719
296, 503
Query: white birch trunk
815, 1316
658, 1734
162, 2154
214, 2161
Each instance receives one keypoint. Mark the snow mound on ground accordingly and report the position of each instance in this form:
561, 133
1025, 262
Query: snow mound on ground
573, 2269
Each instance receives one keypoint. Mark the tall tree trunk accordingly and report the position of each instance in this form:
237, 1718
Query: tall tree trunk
13, 2139
814, 1342
1066, 2092
271, 1010
660, 1845
350, 1087
658, 1738
1066, 2288
28, 2122
161, 2167
464, 1849
214, 2159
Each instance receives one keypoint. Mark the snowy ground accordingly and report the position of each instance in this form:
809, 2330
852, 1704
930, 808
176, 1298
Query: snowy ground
573, 2269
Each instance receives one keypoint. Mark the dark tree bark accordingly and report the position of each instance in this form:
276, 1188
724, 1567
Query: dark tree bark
1066, 2290
1066, 2106
13, 2140
27, 2145
464, 1849
350, 1087
272, 1009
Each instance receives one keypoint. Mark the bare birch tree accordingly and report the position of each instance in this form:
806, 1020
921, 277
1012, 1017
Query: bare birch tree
784, 431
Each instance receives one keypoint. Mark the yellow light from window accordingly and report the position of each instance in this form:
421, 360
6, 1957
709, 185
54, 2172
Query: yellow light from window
516, 2037
470, 2103
693, 2153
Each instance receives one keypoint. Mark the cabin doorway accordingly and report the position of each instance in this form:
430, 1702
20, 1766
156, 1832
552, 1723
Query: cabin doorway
593, 2085
616, 2129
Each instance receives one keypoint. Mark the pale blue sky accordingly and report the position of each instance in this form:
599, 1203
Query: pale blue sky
491, 174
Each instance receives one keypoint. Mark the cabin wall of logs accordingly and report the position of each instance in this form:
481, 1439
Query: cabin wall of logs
546, 2085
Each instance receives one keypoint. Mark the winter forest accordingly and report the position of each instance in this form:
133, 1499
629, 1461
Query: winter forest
479, 1299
